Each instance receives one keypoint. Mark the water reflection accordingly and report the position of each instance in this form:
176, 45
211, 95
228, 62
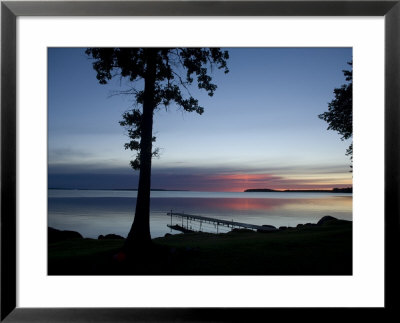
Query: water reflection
92, 216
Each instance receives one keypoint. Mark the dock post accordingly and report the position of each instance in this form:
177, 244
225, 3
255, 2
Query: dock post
171, 217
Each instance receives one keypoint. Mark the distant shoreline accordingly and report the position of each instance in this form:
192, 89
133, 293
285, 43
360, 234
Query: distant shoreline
334, 190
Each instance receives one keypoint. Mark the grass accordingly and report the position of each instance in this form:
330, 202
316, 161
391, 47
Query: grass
309, 250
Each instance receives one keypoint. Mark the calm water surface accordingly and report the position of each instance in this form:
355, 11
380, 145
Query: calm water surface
92, 212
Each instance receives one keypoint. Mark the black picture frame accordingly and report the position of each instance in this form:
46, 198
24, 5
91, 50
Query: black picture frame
10, 10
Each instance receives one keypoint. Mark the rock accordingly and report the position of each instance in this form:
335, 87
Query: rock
55, 235
269, 226
326, 219
300, 225
111, 236
283, 228
310, 225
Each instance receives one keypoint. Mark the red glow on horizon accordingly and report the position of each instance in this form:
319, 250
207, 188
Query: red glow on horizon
241, 182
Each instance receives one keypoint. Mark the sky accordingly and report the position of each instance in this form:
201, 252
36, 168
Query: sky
259, 130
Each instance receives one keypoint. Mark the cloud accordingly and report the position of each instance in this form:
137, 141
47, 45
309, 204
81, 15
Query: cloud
93, 181
102, 175
67, 154
89, 168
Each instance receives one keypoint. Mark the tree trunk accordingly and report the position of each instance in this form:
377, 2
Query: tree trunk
139, 235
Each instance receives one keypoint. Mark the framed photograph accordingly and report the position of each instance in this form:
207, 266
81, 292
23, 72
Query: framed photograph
262, 187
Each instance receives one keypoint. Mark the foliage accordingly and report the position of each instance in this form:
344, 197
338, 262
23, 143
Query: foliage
340, 110
176, 69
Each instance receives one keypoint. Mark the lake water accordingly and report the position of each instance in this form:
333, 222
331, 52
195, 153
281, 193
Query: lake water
95, 212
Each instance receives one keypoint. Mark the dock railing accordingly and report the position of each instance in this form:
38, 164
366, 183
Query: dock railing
217, 222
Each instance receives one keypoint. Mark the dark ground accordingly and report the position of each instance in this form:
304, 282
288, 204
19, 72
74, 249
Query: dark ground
308, 250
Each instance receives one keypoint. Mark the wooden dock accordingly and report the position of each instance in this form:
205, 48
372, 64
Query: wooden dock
218, 222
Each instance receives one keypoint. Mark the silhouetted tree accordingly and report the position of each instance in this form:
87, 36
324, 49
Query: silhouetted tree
166, 73
340, 110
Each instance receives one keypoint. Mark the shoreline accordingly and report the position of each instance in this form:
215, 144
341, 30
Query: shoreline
71, 234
